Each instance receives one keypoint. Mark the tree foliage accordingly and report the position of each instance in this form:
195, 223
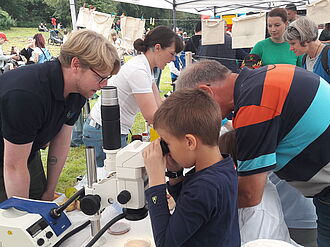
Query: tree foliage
27, 13
5, 20
32, 12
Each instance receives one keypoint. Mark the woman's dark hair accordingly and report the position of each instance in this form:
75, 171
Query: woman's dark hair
40, 40
279, 12
160, 35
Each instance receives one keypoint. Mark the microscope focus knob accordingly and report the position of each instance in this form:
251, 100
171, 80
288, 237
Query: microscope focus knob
90, 204
124, 197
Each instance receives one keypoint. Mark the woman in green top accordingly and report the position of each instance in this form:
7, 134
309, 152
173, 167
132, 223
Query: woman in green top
274, 50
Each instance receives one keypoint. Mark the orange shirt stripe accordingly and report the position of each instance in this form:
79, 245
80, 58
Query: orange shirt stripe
274, 96
247, 115
272, 100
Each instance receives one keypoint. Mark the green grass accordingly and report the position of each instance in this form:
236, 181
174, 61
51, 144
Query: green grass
76, 161
18, 36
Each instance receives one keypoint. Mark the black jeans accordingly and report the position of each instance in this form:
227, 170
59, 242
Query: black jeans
38, 180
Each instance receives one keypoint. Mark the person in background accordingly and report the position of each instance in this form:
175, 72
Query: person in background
223, 53
292, 12
53, 22
177, 66
185, 37
4, 58
39, 105
42, 28
299, 213
206, 197
137, 90
116, 41
157, 73
179, 32
77, 132
193, 43
325, 34
302, 37
27, 51
40, 53
15, 61
65, 35
275, 50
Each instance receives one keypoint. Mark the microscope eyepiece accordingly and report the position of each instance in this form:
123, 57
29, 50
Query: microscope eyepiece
164, 147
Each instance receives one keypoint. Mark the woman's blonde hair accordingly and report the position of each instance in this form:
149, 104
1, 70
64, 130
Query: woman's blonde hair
93, 51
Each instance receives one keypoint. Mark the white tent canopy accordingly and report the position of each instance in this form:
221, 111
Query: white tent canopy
217, 7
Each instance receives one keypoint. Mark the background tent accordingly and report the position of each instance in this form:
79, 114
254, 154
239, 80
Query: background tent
217, 7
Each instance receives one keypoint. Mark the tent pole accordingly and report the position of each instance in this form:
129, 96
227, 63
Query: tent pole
174, 15
73, 14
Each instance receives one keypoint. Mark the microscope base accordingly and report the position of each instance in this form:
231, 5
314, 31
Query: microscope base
136, 214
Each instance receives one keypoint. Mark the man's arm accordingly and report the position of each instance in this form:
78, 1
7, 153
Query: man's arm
251, 189
16, 173
57, 154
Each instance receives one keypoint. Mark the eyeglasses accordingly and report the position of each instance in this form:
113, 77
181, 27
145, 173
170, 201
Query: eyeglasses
102, 78
292, 29
173, 54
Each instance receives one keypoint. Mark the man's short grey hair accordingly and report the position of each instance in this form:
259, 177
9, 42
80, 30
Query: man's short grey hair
204, 71
302, 29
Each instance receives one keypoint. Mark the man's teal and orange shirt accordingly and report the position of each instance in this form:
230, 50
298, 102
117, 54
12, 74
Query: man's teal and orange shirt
282, 117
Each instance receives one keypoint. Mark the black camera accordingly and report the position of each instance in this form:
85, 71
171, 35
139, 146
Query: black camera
164, 147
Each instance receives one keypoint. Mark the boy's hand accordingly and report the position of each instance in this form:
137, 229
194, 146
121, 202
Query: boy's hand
155, 163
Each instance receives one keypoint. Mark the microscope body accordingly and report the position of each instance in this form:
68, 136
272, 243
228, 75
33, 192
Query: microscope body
125, 185
127, 176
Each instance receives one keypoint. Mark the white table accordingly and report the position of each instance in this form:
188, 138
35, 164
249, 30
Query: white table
139, 230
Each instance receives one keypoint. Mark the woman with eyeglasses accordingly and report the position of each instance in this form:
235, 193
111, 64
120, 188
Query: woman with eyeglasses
302, 36
275, 50
137, 90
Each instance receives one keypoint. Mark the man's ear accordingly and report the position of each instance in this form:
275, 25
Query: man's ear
191, 141
206, 88
75, 64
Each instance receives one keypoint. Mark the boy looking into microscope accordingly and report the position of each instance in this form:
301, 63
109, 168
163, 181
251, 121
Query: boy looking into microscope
206, 197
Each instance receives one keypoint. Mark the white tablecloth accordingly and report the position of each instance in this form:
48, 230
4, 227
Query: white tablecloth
139, 230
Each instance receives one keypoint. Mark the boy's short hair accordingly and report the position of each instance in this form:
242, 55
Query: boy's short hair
190, 111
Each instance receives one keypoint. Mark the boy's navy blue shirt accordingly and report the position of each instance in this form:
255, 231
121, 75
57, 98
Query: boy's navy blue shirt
206, 209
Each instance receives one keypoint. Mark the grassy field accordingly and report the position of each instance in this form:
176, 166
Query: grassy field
18, 36
76, 160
